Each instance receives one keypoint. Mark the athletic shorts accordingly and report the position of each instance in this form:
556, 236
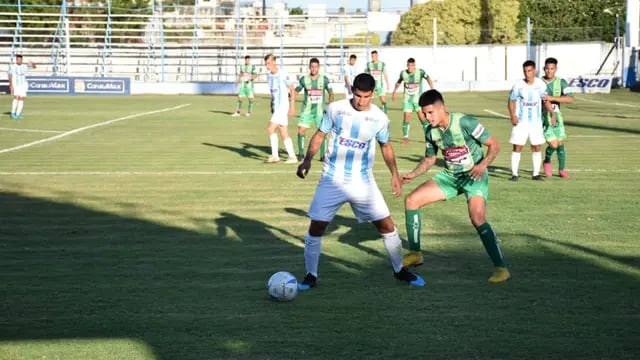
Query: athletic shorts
557, 132
246, 92
453, 186
379, 92
366, 200
306, 120
280, 117
410, 104
20, 90
524, 130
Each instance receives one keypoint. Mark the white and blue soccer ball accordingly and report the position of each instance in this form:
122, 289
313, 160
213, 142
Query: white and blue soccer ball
282, 286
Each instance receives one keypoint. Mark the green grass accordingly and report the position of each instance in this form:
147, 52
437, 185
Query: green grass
153, 238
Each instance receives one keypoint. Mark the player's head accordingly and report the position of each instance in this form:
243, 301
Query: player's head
529, 70
247, 59
362, 89
18, 59
352, 59
374, 55
411, 65
432, 105
314, 66
550, 68
270, 63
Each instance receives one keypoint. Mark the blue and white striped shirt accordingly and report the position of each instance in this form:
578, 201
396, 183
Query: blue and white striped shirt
279, 87
352, 146
528, 100
19, 74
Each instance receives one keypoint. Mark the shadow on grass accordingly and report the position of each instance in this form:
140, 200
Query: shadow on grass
70, 273
246, 150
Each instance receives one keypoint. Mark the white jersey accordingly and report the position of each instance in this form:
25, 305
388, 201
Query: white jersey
279, 87
352, 145
19, 74
528, 100
350, 72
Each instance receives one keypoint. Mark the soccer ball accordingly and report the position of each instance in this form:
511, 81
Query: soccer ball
282, 286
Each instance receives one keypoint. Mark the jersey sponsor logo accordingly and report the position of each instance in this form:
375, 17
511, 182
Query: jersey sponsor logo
478, 131
529, 103
352, 143
315, 96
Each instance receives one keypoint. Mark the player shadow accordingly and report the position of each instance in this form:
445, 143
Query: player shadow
417, 158
245, 150
223, 112
600, 127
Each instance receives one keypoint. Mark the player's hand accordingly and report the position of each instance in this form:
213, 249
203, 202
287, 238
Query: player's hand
393, 97
408, 177
396, 186
514, 120
303, 168
292, 111
477, 172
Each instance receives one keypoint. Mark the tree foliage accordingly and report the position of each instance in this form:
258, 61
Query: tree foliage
500, 21
296, 11
571, 20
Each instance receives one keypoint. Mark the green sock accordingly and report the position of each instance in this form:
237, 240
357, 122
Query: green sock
562, 157
238, 106
300, 144
250, 106
405, 129
384, 107
413, 222
548, 153
323, 148
490, 242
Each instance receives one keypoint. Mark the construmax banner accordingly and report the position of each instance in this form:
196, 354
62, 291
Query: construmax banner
589, 84
78, 85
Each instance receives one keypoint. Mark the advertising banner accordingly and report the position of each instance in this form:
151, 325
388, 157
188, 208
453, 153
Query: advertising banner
590, 84
78, 85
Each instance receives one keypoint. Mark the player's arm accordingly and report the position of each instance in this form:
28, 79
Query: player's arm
254, 74
389, 157
292, 100
395, 89
328, 89
386, 79
512, 112
423, 166
312, 150
549, 107
565, 98
32, 64
493, 149
428, 78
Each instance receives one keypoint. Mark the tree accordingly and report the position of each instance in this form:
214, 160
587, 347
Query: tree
458, 22
296, 11
342, 10
500, 21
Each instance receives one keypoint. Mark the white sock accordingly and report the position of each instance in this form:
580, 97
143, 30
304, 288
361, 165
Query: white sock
515, 163
312, 247
14, 106
536, 157
273, 139
393, 244
288, 145
20, 105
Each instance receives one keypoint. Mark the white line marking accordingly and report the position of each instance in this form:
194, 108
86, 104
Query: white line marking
32, 130
607, 102
496, 113
75, 131
241, 172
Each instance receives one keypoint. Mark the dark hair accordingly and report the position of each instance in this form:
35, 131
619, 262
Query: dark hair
247, 57
551, 60
314, 61
430, 97
374, 52
19, 56
529, 63
353, 56
364, 82
270, 56
411, 61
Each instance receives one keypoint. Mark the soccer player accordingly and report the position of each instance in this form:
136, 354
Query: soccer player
349, 73
378, 70
525, 103
282, 106
412, 79
347, 177
18, 85
555, 134
246, 77
460, 138
314, 86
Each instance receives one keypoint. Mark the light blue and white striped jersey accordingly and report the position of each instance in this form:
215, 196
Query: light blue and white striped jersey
19, 73
528, 100
352, 145
279, 87
349, 71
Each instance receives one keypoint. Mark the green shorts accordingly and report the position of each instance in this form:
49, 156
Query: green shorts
246, 92
410, 104
379, 91
453, 186
306, 119
557, 132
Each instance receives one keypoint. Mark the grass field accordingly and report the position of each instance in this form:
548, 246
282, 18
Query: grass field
146, 227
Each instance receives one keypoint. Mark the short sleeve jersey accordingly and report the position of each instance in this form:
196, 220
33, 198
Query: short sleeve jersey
557, 87
412, 81
279, 86
246, 74
314, 93
528, 100
460, 144
376, 70
18, 74
352, 145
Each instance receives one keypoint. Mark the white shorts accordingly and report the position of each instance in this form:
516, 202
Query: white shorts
523, 131
20, 90
366, 200
280, 117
